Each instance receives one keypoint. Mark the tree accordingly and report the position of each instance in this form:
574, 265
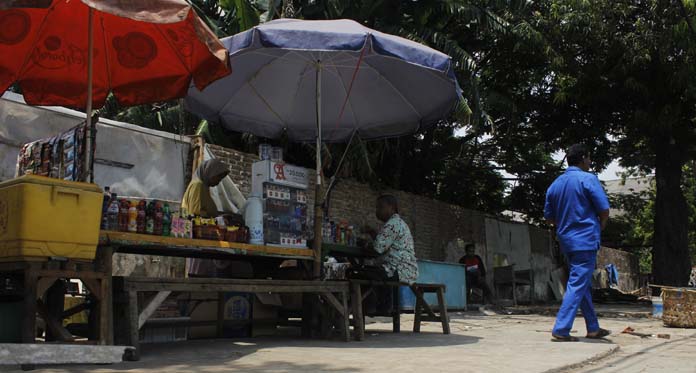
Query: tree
621, 74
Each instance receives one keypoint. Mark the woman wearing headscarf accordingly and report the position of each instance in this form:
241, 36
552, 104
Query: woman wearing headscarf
198, 202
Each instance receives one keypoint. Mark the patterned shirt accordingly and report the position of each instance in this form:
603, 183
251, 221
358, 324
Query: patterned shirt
394, 243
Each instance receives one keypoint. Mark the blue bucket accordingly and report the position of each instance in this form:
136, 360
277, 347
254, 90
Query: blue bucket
657, 307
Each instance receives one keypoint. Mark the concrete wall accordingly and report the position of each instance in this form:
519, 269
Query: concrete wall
625, 262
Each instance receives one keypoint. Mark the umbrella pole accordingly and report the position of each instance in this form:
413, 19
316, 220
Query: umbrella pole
90, 130
318, 211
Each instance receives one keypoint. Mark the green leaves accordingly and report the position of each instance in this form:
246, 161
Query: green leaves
246, 15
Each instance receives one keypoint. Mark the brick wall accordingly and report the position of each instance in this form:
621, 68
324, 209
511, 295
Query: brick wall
435, 225
625, 262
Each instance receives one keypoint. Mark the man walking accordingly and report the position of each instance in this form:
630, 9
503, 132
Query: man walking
577, 205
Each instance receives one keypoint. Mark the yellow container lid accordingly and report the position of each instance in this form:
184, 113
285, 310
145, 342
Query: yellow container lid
49, 181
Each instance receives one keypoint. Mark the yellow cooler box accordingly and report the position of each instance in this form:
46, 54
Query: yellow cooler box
42, 217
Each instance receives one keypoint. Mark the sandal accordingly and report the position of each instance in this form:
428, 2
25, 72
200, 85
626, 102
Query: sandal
561, 338
601, 333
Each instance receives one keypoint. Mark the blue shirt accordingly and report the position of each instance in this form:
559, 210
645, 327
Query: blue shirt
573, 202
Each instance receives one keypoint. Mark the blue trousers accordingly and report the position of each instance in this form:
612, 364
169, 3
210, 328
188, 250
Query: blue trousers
578, 294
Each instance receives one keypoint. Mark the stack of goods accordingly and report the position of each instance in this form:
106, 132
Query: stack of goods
61, 157
140, 216
220, 229
285, 215
340, 233
157, 218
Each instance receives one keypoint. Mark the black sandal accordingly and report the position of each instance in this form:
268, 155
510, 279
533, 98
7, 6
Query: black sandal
601, 333
561, 338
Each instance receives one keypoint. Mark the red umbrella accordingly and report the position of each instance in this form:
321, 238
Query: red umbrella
143, 51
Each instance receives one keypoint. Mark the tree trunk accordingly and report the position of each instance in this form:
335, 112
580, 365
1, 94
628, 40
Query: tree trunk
671, 259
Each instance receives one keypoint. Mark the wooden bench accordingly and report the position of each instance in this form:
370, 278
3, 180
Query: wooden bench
422, 311
126, 305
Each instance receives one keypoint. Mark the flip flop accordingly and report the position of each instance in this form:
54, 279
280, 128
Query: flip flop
601, 333
561, 338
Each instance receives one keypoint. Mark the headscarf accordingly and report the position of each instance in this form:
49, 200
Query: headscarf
210, 169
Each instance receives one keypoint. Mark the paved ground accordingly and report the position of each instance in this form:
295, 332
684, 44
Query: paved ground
479, 343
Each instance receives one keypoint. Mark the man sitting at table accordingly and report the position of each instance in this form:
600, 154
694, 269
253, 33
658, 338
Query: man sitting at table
396, 257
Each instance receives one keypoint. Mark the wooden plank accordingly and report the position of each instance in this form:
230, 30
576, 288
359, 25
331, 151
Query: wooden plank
60, 273
152, 306
129, 239
133, 327
220, 314
94, 287
424, 305
55, 326
215, 288
334, 302
418, 314
444, 317
104, 264
346, 317
358, 320
29, 316
44, 283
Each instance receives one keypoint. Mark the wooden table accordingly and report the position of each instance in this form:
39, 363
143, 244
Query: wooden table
134, 243
334, 293
38, 276
137, 315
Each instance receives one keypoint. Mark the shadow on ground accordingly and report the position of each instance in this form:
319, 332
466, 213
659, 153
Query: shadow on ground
222, 354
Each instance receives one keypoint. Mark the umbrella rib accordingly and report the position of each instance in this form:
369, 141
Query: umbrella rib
183, 63
28, 56
355, 117
256, 73
268, 105
106, 57
398, 92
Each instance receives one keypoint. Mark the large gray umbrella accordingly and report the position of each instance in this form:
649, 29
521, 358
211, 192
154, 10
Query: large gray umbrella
326, 81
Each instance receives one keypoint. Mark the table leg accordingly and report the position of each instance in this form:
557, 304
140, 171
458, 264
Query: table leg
396, 312
29, 317
134, 328
358, 319
220, 314
104, 261
346, 316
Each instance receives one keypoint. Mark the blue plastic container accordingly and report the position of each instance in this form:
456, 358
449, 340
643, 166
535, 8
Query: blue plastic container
453, 275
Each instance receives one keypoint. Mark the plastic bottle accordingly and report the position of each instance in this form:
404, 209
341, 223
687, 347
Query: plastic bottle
142, 217
159, 218
188, 228
150, 218
253, 218
133, 217
123, 215
166, 221
112, 213
106, 201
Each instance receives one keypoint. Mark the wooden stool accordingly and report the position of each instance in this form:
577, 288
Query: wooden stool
423, 312
357, 298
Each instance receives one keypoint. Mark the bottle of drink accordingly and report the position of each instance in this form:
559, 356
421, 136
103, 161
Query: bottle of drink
142, 217
123, 215
112, 213
166, 221
133, 217
106, 201
150, 218
159, 218
188, 227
